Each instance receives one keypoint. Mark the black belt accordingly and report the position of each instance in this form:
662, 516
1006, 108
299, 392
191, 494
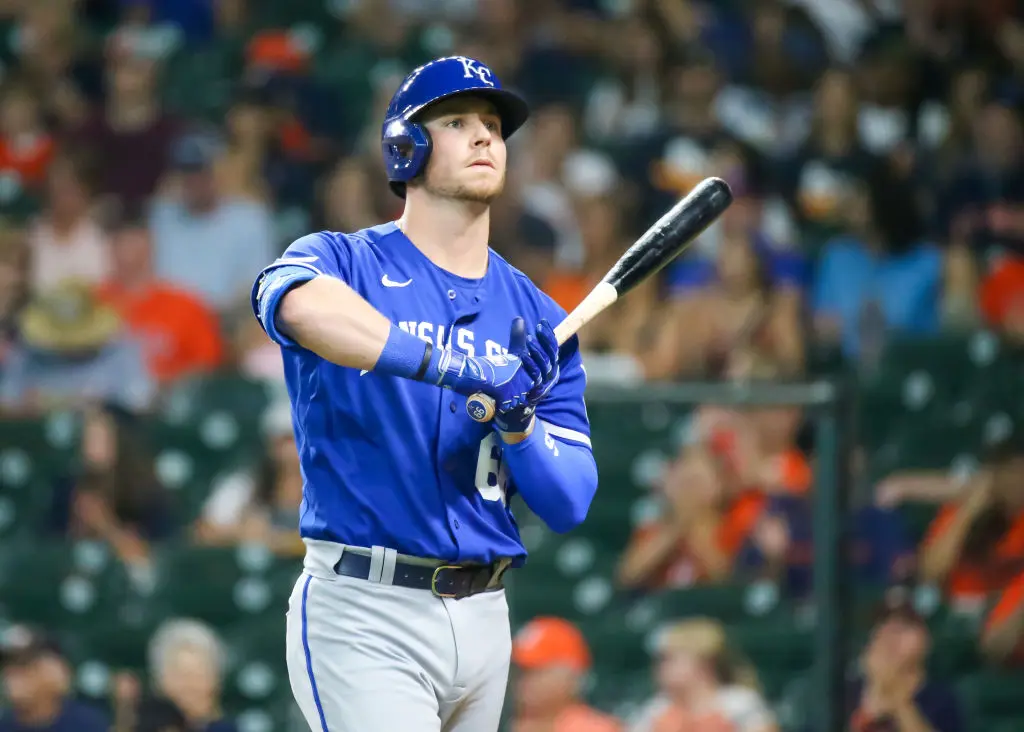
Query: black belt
447, 580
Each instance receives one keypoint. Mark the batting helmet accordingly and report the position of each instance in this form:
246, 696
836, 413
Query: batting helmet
406, 144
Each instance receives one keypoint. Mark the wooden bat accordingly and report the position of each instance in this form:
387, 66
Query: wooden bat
658, 246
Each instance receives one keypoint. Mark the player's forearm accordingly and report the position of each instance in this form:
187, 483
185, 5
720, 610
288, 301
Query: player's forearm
327, 317
557, 480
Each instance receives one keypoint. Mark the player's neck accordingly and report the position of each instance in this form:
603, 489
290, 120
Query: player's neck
450, 234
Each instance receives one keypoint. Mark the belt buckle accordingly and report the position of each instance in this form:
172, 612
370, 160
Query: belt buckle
433, 581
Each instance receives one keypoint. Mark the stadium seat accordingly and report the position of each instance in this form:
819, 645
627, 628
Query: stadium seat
993, 695
68, 586
194, 401
256, 662
221, 586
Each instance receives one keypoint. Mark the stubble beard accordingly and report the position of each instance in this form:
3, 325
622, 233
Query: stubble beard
484, 192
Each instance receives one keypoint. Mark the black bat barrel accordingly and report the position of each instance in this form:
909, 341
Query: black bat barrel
663, 242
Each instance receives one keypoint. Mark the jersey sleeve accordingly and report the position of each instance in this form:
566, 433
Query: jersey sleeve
564, 413
313, 255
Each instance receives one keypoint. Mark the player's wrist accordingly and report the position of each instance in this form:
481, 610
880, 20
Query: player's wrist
409, 357
515, 426
514, 438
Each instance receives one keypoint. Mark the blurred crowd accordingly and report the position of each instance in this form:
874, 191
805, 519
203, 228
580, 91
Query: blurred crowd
156, 154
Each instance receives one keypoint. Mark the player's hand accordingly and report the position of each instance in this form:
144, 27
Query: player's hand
539, 355
504, 378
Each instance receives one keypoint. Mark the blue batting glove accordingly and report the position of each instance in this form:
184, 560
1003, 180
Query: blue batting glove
539, 355
504, 378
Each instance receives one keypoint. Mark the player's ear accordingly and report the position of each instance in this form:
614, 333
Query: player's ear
517, 336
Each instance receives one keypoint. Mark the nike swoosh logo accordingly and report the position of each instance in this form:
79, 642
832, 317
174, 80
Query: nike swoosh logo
388, 282
364, 372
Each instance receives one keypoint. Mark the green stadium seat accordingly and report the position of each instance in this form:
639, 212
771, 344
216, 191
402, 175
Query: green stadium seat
59, 585
618, 645
530, 597
256, 655
188, 458
728, 603
42, 448
280, 16
993, 694
221, 586
193, 401
620, 693
116, 644
774, 647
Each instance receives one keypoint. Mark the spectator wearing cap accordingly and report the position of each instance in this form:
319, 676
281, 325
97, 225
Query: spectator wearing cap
261, 505
131, 133
37, 685
207, 242
893, 691
704, 685
186, 666
180, 335
552, 659
72, 350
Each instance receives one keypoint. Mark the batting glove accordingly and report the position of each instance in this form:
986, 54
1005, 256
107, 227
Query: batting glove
504, 378
539, 355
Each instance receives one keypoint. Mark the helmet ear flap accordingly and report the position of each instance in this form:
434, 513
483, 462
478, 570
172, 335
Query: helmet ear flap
406, 147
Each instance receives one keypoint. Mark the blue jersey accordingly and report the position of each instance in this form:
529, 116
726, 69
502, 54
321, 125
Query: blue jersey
398, 463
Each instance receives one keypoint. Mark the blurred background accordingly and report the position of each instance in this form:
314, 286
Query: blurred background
156, 154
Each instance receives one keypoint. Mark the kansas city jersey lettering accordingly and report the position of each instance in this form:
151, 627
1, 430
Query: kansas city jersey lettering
398, 463
465, 339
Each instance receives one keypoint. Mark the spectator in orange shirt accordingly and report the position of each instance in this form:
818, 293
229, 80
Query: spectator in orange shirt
699, 531
180, 335
975, 546
1002, 638
704, 686
552, 657
1002, 297
26, 148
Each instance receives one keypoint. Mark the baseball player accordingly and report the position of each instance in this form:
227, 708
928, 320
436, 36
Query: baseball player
399, 621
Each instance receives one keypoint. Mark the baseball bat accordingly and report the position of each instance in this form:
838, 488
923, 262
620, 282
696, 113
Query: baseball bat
658, 246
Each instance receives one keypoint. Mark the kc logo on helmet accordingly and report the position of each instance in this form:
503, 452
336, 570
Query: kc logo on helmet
472, 68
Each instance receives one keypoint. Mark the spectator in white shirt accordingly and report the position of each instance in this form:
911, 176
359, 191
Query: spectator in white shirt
204, 241
66, 242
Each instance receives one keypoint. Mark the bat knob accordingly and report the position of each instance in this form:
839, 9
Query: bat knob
480, 407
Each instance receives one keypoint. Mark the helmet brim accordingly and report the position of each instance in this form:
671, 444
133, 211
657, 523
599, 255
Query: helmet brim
512, 109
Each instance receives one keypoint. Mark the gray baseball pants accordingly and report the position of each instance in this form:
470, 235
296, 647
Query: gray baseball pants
367, 656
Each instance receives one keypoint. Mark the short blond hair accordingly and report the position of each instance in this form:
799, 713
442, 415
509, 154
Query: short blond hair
707, 639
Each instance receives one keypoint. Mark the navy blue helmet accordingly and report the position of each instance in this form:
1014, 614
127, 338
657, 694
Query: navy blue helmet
406, 144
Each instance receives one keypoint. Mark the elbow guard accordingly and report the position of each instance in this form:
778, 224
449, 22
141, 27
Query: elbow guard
268, 291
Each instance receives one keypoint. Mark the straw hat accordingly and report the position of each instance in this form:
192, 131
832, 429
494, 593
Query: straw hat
68, 319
